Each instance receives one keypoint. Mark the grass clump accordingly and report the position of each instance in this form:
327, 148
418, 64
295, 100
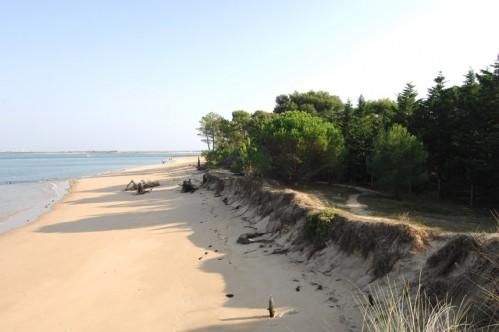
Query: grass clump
317, 227
386, 309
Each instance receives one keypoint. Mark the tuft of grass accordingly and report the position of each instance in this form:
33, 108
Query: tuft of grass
495, 215
317, 227
387, 309
405, 217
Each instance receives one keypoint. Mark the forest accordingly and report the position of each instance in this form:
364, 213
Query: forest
444, 144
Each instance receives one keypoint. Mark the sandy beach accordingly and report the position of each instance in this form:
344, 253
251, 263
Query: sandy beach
107, 260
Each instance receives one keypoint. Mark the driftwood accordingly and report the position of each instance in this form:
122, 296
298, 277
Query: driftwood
271, 307
248, 238
141, 189
132, 185
188, 187
141, 186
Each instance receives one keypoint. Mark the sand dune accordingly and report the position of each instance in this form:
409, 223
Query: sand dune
107, 260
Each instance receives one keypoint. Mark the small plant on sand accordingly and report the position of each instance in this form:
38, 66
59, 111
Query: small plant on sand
317, 227
388, 309
404, 217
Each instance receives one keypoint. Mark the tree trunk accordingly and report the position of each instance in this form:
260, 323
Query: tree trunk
472, 194
208, 141
439, 187
213, 140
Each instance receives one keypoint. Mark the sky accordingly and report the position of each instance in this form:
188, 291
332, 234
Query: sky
138, 75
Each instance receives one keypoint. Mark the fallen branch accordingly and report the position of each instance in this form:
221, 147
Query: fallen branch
132, 185
188, 187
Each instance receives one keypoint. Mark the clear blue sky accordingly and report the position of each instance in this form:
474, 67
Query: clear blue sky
90, 75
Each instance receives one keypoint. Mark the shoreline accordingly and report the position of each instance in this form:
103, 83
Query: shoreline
104, 259
27, 202
31, 210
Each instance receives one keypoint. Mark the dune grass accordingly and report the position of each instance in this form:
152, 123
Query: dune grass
388, 309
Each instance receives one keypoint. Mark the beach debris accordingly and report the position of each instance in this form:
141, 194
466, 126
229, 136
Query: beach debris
226, 201
188, 187
271, 307
280, 251
132, 185
298, 288
230, 295
247, 238
140, 189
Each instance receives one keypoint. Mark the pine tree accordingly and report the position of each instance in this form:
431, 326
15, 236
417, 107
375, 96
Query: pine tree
406, 102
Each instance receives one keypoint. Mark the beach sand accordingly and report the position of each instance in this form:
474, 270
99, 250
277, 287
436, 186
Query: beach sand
107, 260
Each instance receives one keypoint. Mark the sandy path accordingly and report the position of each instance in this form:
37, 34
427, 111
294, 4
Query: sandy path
355, 206
107, 260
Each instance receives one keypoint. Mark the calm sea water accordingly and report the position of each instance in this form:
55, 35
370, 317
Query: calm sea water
30, 183
21, 167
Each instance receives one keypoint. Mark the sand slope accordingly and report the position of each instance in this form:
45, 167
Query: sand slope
107, 260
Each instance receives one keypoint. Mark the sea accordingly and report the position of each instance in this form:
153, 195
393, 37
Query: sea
31, 182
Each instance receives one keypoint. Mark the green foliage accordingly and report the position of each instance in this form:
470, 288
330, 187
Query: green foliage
399, 159
317, 103
313, 135
209, 129
406, 105
317, 227
296, 146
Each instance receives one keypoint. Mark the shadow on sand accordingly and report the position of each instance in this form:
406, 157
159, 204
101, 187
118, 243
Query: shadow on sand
165, 210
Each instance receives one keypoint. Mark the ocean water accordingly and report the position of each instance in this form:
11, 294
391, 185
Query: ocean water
20, 167
32, 182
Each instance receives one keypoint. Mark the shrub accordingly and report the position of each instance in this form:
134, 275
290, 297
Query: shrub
317, 227
296, 145
399, 160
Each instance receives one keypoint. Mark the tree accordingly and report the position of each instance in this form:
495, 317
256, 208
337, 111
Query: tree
433, 124
295, 145
399, 160
209, 128
467, 161
488, 127
318, 103
406, 104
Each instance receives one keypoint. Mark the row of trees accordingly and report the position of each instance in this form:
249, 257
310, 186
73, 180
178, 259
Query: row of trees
447, 142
